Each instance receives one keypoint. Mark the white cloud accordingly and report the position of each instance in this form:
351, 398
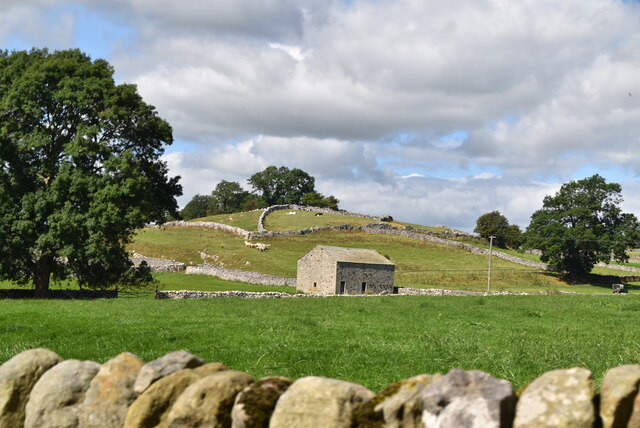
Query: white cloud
372, 96
26, 24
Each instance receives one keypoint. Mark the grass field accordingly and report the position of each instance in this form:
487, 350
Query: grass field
418, 264
280, 221
372, 341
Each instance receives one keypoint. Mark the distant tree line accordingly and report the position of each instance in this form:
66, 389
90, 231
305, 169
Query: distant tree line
272, 186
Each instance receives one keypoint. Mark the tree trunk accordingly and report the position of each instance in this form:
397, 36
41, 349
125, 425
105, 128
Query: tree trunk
42, 276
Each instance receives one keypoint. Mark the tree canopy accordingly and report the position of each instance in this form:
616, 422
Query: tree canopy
581, 225
496, 225
197, 207
282, 185
80, 169
228, 197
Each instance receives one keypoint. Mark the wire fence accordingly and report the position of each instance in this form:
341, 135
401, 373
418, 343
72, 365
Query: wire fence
131, 294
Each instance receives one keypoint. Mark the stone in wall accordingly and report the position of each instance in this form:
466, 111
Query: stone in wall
627, 384
619, 389
110, 393
208, 401
312, 402
559, 398
399, 405
17, 378
254, 405
468, 399
164, 366
55, 398
152, 407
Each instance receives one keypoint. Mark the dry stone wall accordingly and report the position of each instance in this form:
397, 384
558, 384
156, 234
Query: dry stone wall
386, 229
619, 267
38, 388
210, 225
273, 208
157, 264
240, 275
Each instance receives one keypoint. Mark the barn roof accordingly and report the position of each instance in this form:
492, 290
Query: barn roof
352, 255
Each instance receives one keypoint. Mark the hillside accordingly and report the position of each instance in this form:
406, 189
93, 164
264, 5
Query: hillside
419, 264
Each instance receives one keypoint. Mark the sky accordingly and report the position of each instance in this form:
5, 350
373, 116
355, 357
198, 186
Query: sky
434, 112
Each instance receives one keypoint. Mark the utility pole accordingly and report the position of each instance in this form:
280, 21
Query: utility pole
490, 254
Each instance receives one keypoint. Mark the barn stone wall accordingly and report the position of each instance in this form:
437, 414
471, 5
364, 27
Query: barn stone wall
377, 278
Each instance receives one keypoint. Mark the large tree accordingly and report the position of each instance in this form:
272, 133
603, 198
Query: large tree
80, 169
227, 197
583, 225
282, 185
495, 224
316, 199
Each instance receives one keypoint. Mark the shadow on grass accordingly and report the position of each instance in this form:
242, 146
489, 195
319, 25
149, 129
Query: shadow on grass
603, 281
59, 294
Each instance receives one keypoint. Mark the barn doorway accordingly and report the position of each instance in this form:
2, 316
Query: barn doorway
341, 287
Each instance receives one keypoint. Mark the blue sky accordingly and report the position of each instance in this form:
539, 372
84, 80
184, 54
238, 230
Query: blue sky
433, 112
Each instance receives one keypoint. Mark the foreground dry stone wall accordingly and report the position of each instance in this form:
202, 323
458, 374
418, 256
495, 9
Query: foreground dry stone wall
38, 388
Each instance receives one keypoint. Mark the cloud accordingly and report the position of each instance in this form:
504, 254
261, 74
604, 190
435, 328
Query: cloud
25, 24
265, 19
431, 111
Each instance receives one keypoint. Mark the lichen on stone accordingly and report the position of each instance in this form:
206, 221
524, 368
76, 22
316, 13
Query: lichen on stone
259, 399
365, 415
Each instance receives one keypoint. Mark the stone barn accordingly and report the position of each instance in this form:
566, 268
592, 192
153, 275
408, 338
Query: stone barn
338, 270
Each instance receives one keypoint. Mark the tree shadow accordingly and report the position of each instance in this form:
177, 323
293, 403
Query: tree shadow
603, 281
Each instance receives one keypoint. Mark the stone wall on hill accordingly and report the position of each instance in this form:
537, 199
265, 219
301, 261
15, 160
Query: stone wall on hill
39, 388
157, 264
619, 267
273, 208
386, 229
210, 225
240, 275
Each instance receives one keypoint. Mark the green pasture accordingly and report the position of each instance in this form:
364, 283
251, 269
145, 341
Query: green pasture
419, 264
368, 340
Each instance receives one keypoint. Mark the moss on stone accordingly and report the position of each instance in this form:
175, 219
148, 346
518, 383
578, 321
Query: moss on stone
365, 415
259, 400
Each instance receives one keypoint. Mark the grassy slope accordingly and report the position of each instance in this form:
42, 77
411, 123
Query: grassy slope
279, 221
373, 341
418, 264
245, 220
